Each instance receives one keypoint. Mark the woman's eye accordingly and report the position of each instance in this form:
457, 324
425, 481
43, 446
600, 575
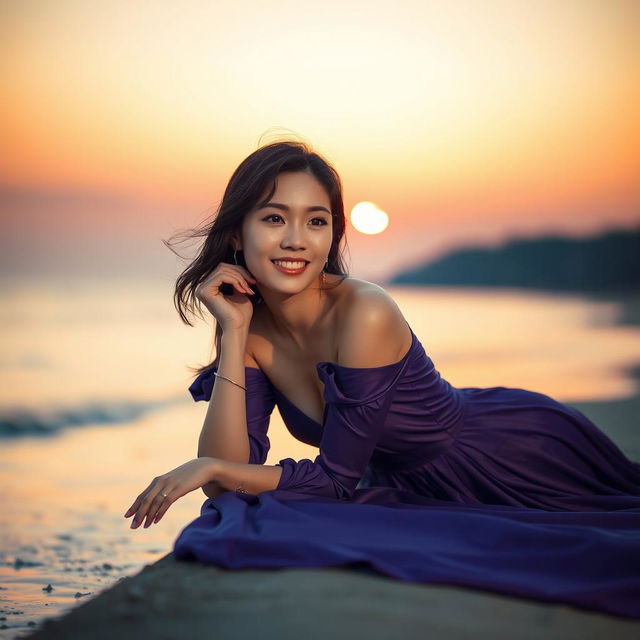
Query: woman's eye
315, 222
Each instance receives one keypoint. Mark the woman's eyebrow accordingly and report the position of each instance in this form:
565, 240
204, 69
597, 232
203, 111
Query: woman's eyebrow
284, 207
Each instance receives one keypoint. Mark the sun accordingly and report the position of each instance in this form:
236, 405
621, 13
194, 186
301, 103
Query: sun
366, 217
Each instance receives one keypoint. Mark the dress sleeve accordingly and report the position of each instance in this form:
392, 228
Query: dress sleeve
260, 401
357, 401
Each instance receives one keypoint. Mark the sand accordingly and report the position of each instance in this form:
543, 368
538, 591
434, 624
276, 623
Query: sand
171, 599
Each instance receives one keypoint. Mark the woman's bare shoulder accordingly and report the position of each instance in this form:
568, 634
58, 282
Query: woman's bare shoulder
372, 330
351, 289
361, 296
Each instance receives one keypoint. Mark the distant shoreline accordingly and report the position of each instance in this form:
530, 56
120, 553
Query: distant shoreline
597, 264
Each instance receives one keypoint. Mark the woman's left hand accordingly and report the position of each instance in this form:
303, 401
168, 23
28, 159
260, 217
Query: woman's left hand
164, 490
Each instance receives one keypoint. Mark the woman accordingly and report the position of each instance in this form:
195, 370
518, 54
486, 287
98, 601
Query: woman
493, 472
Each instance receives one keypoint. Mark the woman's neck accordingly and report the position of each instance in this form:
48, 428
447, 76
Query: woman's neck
299, 317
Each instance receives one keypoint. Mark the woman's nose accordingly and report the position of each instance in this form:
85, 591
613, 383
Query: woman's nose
293, 237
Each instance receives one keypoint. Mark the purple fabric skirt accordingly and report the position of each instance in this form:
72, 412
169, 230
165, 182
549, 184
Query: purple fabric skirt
590, 560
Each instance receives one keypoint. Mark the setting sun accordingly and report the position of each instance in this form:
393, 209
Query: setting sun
366, 217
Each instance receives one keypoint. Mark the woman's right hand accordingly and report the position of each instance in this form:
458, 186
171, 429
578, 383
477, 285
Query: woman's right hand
234, 311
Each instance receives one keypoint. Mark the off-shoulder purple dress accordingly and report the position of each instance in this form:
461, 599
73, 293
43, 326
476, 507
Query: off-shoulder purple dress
495, 488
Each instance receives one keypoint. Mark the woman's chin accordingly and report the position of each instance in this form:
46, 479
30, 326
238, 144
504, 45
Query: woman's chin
290, 288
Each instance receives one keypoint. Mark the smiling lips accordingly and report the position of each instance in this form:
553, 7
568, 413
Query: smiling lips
290, 267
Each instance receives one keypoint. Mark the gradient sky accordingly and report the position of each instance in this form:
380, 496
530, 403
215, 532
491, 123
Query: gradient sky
467, 122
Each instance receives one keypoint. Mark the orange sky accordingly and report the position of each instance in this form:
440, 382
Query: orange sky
466, 121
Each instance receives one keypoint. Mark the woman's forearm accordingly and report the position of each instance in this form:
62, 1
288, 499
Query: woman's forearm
253, 478
224, 432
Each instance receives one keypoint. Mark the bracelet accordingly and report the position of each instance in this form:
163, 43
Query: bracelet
219, 375
241, 489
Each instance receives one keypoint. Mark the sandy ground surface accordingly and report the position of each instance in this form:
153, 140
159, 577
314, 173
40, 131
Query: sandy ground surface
171, 599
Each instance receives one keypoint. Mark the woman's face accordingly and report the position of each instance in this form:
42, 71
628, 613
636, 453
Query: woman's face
286, 242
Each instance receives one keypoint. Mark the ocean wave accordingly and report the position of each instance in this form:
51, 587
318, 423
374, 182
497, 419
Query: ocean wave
49, 422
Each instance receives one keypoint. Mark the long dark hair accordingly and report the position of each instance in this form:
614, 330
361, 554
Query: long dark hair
248, 182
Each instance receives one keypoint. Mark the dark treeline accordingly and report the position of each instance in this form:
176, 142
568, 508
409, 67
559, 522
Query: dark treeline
607, 262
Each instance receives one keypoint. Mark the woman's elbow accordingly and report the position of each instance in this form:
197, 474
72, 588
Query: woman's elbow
212, 490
